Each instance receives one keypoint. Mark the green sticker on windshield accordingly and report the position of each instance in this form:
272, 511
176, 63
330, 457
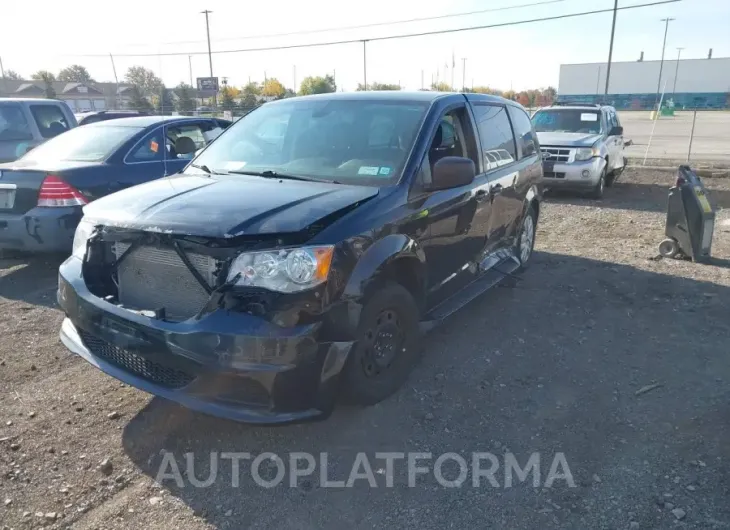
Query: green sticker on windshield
368, 170
384, 171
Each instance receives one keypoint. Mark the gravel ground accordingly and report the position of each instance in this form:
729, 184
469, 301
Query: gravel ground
601, 352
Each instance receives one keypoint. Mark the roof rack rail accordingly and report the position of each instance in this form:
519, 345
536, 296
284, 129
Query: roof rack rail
575, 104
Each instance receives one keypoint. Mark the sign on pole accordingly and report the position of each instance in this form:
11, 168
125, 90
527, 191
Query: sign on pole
207, 86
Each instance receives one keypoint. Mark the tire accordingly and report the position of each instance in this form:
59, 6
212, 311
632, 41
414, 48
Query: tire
669, 248
387, 348
597, 191
525, 243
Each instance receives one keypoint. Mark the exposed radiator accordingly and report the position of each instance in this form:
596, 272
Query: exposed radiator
154, 278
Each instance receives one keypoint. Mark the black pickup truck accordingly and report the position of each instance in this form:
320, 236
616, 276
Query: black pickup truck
304, 252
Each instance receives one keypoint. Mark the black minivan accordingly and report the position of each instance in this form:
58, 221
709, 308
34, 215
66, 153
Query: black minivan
305, 251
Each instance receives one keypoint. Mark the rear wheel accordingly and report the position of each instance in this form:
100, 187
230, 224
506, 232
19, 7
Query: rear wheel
526, 239
387, 346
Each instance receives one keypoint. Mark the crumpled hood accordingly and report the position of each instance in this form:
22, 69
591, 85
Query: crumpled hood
567, 139
224, 206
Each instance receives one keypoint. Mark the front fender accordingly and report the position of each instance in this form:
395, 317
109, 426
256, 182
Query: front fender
377, 259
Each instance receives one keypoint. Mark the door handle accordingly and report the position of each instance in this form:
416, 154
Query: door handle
481, 195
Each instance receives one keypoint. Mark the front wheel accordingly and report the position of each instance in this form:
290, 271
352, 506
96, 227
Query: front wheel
597, 191
387, 346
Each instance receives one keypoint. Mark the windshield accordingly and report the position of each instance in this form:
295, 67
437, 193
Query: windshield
84, 144
567, 120
13, 125
348, 141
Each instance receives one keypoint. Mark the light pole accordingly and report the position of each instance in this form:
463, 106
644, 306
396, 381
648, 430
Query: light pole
676, 71
365, 63
463, 74
610, 46
190, 67
661, 64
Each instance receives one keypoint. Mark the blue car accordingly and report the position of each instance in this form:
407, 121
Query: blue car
42, 194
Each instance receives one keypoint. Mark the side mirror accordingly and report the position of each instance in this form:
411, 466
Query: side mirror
628, 143
616, 131
452, 172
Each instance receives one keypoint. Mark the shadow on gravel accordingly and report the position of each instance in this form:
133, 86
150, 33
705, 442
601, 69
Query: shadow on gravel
33, 279
639, 196
564, 361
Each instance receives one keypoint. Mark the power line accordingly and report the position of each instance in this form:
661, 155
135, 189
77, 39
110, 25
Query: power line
390, 37
371, 25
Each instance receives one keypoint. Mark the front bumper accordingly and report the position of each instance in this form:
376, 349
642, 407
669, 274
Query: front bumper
226, 364
40, 229
573, 176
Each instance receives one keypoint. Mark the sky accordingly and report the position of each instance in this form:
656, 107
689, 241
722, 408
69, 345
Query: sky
518, 57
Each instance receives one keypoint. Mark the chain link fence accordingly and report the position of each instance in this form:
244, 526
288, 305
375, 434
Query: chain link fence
700, 137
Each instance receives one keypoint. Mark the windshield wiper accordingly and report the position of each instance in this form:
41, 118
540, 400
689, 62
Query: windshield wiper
269, 174
205, 168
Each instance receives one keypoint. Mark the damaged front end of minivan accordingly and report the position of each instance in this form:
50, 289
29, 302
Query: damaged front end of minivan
248, 327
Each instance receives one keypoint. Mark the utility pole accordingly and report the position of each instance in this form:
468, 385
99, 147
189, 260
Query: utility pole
463, 74
661, 64
676, 71
2, 70
365, 63
610, 46
210, 55
116, 80
190, 67
207, 30
294, 72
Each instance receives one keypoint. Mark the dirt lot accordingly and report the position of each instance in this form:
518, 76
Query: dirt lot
551, 363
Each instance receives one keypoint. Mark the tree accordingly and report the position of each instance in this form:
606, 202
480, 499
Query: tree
289, 93
48, 78
138, 101
441, 86
43, 75
227, 101
251, 88
485, 90
317, 85
75, 74
164, 102
377, 86
12, 75
273, 88
185, 103
146, 80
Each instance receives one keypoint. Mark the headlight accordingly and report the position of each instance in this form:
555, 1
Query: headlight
285, 271
586, 153
82, 235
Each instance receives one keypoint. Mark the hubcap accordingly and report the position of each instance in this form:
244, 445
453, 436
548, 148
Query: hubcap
526, 239
381, 343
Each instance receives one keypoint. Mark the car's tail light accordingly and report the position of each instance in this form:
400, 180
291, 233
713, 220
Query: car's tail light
55, 192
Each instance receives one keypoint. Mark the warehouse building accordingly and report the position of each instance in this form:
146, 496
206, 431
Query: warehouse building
688, 83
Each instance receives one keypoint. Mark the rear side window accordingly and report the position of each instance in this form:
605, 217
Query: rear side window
13, 125
495, 134
50, 120
523, 131
148, 150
